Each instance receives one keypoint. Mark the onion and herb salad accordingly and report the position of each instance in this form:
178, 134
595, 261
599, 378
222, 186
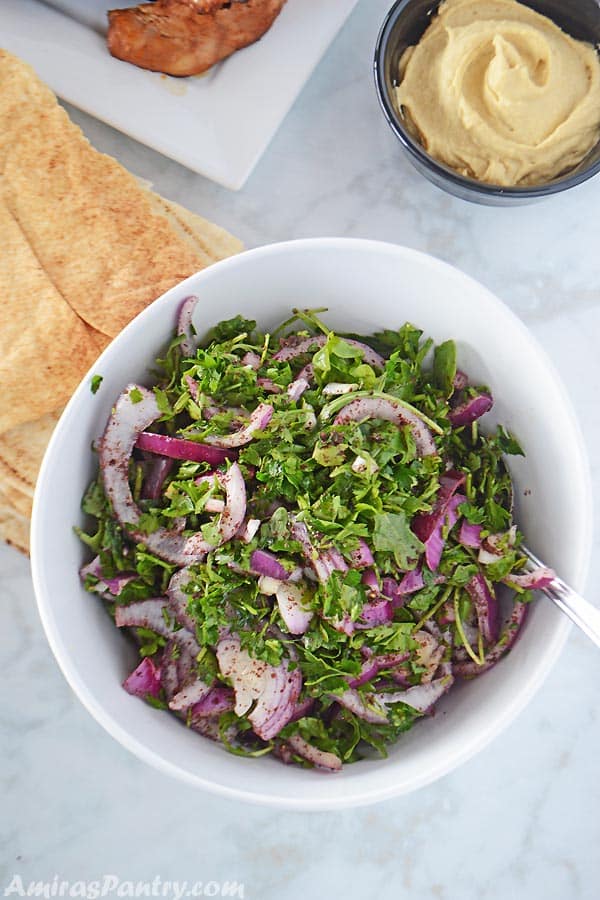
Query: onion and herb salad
306, 534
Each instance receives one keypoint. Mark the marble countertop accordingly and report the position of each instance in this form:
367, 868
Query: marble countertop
521, 819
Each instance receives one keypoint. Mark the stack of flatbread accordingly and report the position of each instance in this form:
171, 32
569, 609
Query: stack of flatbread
84, 247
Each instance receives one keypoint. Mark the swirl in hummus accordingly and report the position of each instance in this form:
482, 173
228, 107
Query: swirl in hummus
499, 93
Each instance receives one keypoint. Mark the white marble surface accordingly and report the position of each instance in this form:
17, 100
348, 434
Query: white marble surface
521, 820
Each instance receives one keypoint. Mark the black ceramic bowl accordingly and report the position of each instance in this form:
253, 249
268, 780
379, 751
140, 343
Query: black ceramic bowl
404, 26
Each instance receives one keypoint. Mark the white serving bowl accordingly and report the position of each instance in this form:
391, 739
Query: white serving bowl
366, 286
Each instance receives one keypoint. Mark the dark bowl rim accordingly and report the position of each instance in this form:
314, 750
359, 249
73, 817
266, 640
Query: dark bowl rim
416, 150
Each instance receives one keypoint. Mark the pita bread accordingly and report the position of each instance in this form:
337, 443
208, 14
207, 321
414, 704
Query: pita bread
44, 346
22, 450
106, 245
84, 248
208, 240
17, 500
14, 528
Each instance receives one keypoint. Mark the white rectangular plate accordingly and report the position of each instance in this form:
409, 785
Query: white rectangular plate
218, 124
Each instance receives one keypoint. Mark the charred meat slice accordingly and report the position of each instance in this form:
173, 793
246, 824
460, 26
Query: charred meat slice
187, 37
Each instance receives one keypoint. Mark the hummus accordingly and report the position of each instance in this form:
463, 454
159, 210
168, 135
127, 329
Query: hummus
501, 94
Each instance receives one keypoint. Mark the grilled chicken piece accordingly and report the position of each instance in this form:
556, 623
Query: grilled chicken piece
186, 37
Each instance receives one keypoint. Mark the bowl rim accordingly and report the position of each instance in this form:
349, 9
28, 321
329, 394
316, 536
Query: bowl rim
359, 795
420, 156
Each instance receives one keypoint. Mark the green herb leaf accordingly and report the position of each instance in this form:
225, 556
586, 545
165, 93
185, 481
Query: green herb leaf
95, 383
392, 533
444, 367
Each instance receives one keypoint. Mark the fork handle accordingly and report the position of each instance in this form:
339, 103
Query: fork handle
579, 610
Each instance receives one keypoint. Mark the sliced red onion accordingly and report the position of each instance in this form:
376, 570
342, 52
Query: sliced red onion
536, 580
178, 668
434, 545
283, 752
345, 625
214, 505
413, 581
230, 520
470, 410
307, 373
374, 664
470, 535
154, 480
192, 387
189, 695
290, 600
249, 530
264, 563
296, 388
322, 564
468, 668
486, 607
290, 352
94, 567
460, 381
180, 448
429, 654
185, 327
121, 433
365, 707
424, 524
402, 675
268, 385
209, 411
317, 757
422, 697
370, 581
209, 727
145, 614
493, 546
144, 680
391, 589
362, 557
337, 389
251, 360
378, 408
488, 557
217, 701
258, 421
113, 586
169, 675
447, 616
116, 445
274, 690
291, 603
268, 586
377, 612
302, 709
178, 599
336, 560
232, 517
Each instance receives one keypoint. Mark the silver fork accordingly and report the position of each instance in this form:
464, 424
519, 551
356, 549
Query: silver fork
579, 610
